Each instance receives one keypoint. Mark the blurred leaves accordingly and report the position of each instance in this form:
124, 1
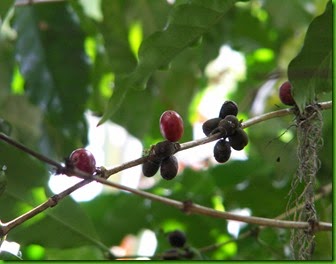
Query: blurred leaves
310, 72
55, 71
185, 25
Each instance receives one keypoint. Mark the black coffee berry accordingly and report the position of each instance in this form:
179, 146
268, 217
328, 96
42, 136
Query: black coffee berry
228, 125
177, 238
222, 151
169, 168
228, 108
165, 149
239, 139
210, 125
150, 167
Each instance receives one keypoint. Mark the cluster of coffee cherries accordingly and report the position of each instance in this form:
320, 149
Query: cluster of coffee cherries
180, 250
162, 154
232, 135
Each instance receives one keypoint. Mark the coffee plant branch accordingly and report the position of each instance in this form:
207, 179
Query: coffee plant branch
324, 191
102, 175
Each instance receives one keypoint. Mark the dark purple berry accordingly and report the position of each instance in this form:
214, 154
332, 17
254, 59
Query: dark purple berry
285, 93
169, 168
239, 139
165, 149
222, 151
150, 167
177, 238
228, 125
228, 108
210, 125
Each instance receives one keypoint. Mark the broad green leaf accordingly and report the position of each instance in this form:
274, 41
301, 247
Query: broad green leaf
64, 226
186, 24
115, 216
173, 89
85, 253
310, 72
4, 7
58, 84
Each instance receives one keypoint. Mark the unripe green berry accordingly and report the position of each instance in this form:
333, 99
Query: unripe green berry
239, 139
210, 125
228, 108
169, 168
222, 151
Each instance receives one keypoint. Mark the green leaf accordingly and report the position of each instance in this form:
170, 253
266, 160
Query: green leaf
64, 226
186, 24
81, 253
310, 72
52, 60
3, 181
5, 5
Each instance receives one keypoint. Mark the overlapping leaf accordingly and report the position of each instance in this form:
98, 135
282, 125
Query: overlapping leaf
53, 63
310, 72
185, 25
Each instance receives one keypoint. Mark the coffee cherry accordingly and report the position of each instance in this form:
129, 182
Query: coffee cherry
239, 139
228, 125
177, 238
165, 149
222, 151
150, 167
228, 108
285, 93
210, 125
83, 160
169, 168
171, 126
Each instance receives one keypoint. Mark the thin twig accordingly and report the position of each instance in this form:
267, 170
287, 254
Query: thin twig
30, 152
191, 208
199, 209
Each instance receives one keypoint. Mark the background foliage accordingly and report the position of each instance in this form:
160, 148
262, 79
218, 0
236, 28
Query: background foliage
128, 62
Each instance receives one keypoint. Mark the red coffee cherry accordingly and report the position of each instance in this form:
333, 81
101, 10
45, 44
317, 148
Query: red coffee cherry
171, 125
285, 93
83, 160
